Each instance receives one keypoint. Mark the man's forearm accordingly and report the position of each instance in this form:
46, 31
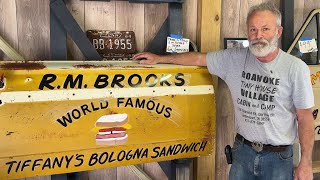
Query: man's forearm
191, 58
306, 137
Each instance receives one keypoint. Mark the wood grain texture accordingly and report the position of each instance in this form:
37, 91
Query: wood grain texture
154, 171
225, 128
230, 19
183, 173
8, 25
100, 15
139, 172
309, 5
124, 173
103, 174
76, 8
130, 17
9, 50
316, 167
208, 38
154, 16
244, 9
298, 15
190, 19
209, 19
33, 29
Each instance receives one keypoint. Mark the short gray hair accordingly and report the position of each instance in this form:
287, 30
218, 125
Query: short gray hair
267, 6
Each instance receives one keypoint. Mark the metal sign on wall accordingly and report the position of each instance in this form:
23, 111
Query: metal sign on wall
59, 117
113, 45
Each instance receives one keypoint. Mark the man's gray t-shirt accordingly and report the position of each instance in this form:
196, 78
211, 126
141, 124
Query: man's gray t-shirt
265, 95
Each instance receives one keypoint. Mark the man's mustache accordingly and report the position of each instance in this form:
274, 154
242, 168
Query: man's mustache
259, 42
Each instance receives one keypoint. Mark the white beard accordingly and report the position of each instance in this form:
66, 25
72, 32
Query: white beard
263, 47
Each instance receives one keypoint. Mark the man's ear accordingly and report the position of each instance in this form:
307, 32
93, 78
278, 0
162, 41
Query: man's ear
280, 29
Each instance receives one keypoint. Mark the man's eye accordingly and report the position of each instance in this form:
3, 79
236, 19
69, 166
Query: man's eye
252, 30
265, 29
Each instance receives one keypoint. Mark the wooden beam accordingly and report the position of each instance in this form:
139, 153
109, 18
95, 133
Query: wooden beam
9, 51
209, 20
63, 15
58, 38
8, 24
208, 38
316, 166
139, 172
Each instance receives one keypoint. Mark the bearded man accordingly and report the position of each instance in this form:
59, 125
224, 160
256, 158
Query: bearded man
278, 90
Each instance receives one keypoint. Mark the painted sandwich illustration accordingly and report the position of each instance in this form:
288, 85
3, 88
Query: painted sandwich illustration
112, 129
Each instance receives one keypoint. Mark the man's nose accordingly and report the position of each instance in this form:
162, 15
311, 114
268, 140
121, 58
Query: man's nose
259, 34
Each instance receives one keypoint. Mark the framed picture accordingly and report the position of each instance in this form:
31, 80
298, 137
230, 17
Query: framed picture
235, 43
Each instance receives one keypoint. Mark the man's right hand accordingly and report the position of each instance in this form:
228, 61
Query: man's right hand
147, 58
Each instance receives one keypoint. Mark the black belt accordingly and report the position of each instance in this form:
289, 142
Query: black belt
259, 146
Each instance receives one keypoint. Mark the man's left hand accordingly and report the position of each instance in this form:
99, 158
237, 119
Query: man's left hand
303, 172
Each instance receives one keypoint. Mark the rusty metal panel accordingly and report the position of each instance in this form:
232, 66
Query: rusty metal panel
50, 114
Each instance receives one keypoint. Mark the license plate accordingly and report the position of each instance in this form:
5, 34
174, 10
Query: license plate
113, 45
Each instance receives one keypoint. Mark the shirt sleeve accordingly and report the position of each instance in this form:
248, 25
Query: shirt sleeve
302, 88
219, 63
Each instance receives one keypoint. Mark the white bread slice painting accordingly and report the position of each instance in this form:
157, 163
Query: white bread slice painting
112, 130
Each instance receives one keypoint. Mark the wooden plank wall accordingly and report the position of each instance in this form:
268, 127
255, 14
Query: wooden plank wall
209, 27
8, 25
234, 25
25, 25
